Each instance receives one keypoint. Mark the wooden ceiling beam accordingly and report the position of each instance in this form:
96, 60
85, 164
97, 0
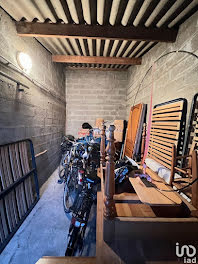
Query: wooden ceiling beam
95, 59
118, 32
95, 69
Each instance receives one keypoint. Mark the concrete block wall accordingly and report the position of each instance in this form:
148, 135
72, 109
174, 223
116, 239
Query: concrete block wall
38, 112
175, 75
94, 94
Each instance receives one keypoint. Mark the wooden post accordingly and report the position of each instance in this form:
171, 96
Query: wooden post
143, 140
110, 210
173, 164
194, 177
102, 146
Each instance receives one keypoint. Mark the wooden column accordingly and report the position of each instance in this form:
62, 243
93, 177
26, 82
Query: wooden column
143, 140
110, 210
102, 146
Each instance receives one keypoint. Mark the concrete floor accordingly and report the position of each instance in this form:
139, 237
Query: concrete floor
44, 232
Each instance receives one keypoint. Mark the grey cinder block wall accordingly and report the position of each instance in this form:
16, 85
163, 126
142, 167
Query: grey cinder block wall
175, 75
94, 94
38, 112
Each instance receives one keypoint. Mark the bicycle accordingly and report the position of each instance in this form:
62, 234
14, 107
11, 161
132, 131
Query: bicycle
86, 195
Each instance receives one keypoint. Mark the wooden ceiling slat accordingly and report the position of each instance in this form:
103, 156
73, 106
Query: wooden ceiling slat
117, 48
79, 11
68, 41
162, 12
133, 48
125, 48
110, 47
66, 10
148, 12
177, 12
155, 43
52, 9
86, 46
102, 47
135, 11
189, 14
121, 10
107, 11
79, 47
140, 49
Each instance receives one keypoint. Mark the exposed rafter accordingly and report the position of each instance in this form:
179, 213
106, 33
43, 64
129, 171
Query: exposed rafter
95, 69
95, 59
117, 32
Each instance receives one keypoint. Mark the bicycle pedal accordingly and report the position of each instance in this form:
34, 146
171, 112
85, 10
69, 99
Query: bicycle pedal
60, 181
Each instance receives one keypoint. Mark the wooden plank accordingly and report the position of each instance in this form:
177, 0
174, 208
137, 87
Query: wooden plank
169, 106
134, 210
161, 150
175, 133
94, 69
15, 176
19, 173
154, 144
126, 197
96, 59
165, 127
23, 165
8, 172
174, 124
165, 135
153, 196
27, 169
167, 110
66, 260
165, 118
160, 142
132, 129
177, 114
8, 199
117, 32
164, 139
161, 155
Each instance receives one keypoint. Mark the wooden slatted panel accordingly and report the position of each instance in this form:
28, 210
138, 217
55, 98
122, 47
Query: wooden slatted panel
165, 128
8, 199
14, 164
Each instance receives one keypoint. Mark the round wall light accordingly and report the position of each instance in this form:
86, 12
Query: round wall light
24, 61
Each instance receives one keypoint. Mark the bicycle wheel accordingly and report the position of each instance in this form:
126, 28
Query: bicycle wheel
61, 168
75, 244
70, 193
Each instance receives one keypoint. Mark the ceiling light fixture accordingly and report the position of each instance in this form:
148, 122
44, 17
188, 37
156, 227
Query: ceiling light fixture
24, 61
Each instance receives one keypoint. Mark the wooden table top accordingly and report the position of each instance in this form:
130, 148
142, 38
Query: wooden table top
154, 197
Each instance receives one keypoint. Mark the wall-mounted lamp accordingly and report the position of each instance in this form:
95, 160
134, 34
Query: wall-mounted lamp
24, 61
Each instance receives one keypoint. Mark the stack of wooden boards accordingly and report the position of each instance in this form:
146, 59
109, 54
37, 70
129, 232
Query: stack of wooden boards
17, 192
132, 147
